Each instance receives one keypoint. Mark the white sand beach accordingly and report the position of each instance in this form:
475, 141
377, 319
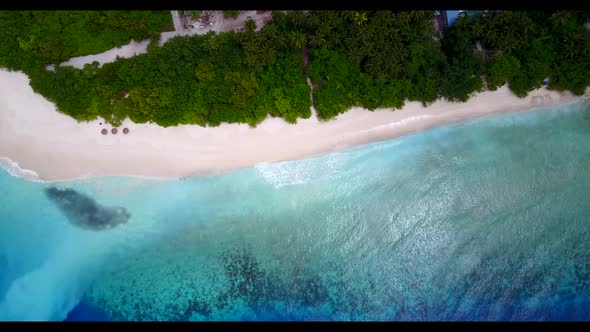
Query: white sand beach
56, 147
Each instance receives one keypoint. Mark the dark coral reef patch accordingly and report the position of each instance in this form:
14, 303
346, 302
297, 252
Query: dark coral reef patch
84, 212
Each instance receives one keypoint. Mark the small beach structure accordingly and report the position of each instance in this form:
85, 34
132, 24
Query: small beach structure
205, 17
114, 131
104, 131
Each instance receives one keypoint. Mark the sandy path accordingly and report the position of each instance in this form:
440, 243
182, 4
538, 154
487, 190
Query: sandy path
127, 51
178, 26
135, 48
55, 146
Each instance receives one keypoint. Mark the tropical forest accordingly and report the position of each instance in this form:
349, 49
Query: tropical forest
333, 60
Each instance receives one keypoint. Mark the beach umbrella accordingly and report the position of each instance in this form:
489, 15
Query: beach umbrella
104, 131
125, 131
114, 131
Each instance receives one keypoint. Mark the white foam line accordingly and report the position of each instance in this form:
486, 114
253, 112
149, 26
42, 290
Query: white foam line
14, 169
402, 122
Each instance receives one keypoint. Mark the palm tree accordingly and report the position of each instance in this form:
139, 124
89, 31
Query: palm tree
527, 25
367, 33
278, 16
463, 22
490, 35
251, 59
250, 45
317, 40
315, 20
355, 54
477, 30
334, 39
298, 39
393, 35
270, 31
569, 48
401, 19
324, 29
559, 18
334, 18
268, 54
378, 41
250, 25
210, 44
509, 44
297, 17
391, 67
283, 40
374, 66
383, 18
359, 18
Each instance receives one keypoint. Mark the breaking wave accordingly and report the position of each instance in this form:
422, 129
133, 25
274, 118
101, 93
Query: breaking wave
295, 172
13, 168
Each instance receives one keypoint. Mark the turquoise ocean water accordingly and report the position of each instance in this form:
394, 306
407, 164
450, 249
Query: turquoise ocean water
484, 220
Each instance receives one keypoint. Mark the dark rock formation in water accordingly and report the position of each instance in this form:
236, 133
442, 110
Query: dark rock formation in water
84, 212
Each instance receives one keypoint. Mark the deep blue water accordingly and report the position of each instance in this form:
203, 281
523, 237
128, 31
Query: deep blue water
84, 312
484, 220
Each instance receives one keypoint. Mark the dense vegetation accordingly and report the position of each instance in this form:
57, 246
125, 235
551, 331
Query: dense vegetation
30, 38
535, 46
231, 13
374, 59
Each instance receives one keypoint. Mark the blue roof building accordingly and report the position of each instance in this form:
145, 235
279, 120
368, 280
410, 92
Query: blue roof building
452, 16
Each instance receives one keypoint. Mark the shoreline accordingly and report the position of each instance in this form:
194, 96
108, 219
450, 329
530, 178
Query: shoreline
39, 140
